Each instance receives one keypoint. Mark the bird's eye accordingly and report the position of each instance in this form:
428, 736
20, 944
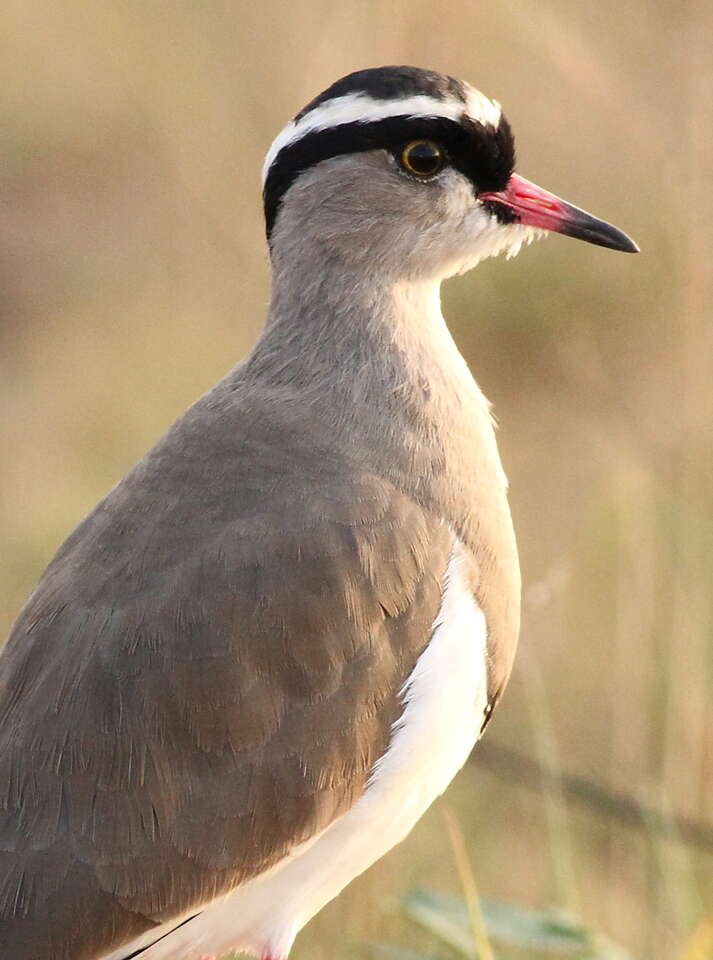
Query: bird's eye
422, 158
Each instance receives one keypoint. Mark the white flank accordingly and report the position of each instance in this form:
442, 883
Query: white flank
359, 107
444, 705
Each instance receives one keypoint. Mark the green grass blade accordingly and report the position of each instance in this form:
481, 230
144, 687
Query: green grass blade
542, 931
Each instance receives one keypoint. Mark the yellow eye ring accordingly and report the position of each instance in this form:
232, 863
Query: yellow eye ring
423, 159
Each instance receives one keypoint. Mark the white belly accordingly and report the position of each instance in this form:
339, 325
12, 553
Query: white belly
445, 699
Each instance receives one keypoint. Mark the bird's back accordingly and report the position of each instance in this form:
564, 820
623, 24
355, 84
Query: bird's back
205, 675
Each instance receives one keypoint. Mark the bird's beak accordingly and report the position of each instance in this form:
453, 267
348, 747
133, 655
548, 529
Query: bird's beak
529, 204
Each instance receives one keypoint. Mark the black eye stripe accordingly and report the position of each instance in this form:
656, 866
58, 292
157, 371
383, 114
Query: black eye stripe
486, 156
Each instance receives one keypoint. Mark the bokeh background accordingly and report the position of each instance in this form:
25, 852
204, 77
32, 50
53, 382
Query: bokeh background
133, 274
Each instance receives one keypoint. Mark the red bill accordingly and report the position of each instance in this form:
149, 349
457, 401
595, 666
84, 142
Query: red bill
526, 203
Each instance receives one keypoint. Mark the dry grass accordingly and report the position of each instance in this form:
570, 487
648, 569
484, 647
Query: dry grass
133, 275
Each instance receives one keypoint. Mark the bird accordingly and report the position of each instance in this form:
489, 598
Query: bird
253, 666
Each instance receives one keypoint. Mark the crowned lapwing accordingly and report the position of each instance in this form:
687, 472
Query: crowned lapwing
250, 670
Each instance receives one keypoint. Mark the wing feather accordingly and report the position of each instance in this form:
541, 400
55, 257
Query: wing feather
204, 678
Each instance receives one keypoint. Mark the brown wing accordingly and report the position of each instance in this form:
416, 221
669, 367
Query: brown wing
203, 678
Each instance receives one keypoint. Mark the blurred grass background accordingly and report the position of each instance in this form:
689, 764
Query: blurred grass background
134, 274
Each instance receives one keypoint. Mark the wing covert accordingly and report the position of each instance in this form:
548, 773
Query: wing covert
203, 679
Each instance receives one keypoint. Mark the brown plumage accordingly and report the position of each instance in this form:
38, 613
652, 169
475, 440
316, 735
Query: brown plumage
213, 665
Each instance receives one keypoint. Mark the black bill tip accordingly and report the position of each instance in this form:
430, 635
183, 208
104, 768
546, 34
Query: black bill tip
524, 202
583, 226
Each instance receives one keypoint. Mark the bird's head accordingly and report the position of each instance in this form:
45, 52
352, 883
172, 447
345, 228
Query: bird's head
409, 172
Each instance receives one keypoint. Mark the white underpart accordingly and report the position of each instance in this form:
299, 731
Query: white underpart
365, 109
444, 704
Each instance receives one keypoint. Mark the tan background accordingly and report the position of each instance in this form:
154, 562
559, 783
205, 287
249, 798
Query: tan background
133, 273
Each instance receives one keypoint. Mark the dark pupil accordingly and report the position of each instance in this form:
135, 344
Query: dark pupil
424, 158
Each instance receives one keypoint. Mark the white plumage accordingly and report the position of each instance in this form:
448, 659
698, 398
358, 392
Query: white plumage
444, 705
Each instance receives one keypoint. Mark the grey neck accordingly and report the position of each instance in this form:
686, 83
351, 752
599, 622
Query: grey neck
366, 342
368, 362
